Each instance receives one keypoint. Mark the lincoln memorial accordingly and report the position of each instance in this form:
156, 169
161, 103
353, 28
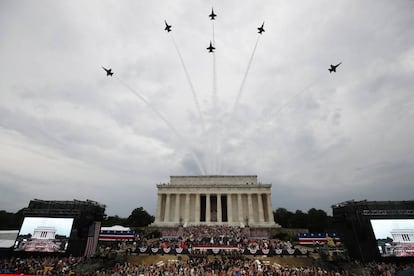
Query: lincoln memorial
214, 200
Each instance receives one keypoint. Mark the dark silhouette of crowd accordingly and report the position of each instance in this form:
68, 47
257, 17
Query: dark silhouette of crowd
39, 265
196, 262
218, 236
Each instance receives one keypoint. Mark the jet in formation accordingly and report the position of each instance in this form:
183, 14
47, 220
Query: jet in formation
333, 67
261, 29
212, 14
108, 71
167, 27
211, 48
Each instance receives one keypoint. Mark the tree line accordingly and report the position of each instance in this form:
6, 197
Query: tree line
315, 220
139, 217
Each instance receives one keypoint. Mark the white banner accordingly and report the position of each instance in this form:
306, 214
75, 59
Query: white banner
290, 251
215, 250
252, 250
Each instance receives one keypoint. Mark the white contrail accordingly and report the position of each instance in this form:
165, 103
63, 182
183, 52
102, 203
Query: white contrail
285, 104
138, 95
236, 103
215, 97
215, 108
189, 82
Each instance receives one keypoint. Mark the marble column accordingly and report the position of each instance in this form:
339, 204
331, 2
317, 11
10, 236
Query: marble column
261, 209
197, 208
159, 200
187, 209
269, 208
208, 208
167, 208
177, 208
250, 208
219, 211
229, 209
240, 208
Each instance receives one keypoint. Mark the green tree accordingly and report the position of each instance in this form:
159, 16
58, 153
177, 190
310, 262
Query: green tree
139, 218
317, 221
10, 221
299, 220
6, 219
282, 217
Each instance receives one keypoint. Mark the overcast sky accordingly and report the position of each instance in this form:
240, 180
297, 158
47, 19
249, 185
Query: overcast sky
261, 104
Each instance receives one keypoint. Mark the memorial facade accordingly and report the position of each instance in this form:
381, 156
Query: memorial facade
214, 200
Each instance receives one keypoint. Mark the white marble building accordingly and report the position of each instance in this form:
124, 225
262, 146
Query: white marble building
214, 200
403, 235
44, 233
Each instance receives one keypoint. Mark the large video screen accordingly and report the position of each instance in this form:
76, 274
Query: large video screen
395, 237
43, 234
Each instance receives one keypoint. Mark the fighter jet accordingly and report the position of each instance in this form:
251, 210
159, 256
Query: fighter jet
167, 27
212, 14
333, 67
108, 71
211, 48
261, 29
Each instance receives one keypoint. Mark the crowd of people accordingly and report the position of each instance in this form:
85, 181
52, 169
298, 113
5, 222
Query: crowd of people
196, 264
215, 236
40, 265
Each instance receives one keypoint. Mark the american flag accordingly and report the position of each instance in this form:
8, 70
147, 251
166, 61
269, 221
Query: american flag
312, 238
117, 235
93, 236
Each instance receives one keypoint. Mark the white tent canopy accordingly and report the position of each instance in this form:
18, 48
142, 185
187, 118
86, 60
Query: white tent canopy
116, 228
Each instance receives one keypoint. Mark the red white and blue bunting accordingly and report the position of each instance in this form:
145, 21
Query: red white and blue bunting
217, 250
253, 251
290, 251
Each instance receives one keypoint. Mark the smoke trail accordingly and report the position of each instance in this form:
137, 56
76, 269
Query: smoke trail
283, 106
41, 131
215, 97
236, 103
219, 141
138, 95
215, 107
189, 82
